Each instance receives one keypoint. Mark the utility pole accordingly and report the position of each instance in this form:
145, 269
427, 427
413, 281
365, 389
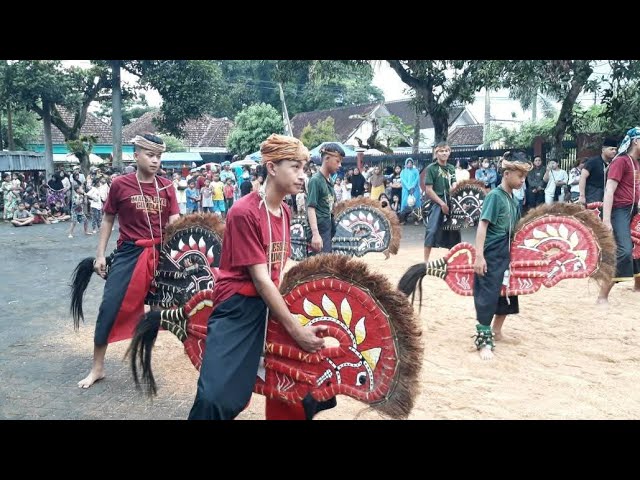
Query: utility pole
487, 119
285, 115
116, 115
534, 107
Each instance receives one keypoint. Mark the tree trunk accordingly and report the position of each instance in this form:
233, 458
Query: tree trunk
440, 119
85, 166
116, 116
415, 149
1, 141
564, 119
10, 141
48, 144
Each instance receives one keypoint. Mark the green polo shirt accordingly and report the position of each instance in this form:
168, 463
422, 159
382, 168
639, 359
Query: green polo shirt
321, 196
440, 178
502, 212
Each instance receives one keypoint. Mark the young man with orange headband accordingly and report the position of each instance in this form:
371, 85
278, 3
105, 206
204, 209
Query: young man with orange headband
254, 251
144, 204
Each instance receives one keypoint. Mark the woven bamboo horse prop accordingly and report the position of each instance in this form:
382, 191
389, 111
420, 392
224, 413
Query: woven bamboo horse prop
551, 243
635, 227
379, 352
362, 226
188, 262
465, 205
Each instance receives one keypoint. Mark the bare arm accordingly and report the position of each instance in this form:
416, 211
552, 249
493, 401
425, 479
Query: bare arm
173, 218
100, 263
480, 266
359, 159
316, 239
304, 336
583, 185
610, 189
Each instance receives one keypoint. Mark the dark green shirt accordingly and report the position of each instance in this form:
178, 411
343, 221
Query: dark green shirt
441, 178
502, 212
321, 196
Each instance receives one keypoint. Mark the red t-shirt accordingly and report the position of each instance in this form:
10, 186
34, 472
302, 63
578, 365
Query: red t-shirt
626, 172
125, 200
246, 242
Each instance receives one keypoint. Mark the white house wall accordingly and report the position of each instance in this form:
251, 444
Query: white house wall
363, 132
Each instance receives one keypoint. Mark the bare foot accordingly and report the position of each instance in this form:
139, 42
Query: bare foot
602, 301
90, 379
485, 353
498, 336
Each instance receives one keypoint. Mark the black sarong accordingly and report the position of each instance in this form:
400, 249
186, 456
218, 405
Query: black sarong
486, 289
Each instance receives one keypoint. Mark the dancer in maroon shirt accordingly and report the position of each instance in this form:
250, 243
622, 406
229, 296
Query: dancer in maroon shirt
254, 251
144, 204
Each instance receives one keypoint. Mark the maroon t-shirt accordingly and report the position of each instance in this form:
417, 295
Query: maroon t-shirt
125, 200
626, 172
246, 242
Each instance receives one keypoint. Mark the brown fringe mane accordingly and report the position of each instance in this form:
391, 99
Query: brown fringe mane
207, 221
466, 184
404, 324
604, 238
390, 215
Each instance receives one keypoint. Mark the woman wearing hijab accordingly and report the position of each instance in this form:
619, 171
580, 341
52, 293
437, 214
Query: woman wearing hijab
357, 184
409, 178
377, 183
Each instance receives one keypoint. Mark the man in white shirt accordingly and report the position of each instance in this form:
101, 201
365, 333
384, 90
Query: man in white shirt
556, 178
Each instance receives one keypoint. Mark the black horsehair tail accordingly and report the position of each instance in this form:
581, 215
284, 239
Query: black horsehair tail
412, 279
80, 279
140, 350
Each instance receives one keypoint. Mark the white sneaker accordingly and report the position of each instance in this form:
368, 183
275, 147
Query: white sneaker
70, 236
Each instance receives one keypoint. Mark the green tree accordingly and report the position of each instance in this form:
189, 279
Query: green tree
189, 88
562, 80
311, 85
522, 138
43, 85
132, 109
26, 129
442, 84
591, 120
308, 85
322, 131
252, 126
396, 133
621, 97
173, 144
